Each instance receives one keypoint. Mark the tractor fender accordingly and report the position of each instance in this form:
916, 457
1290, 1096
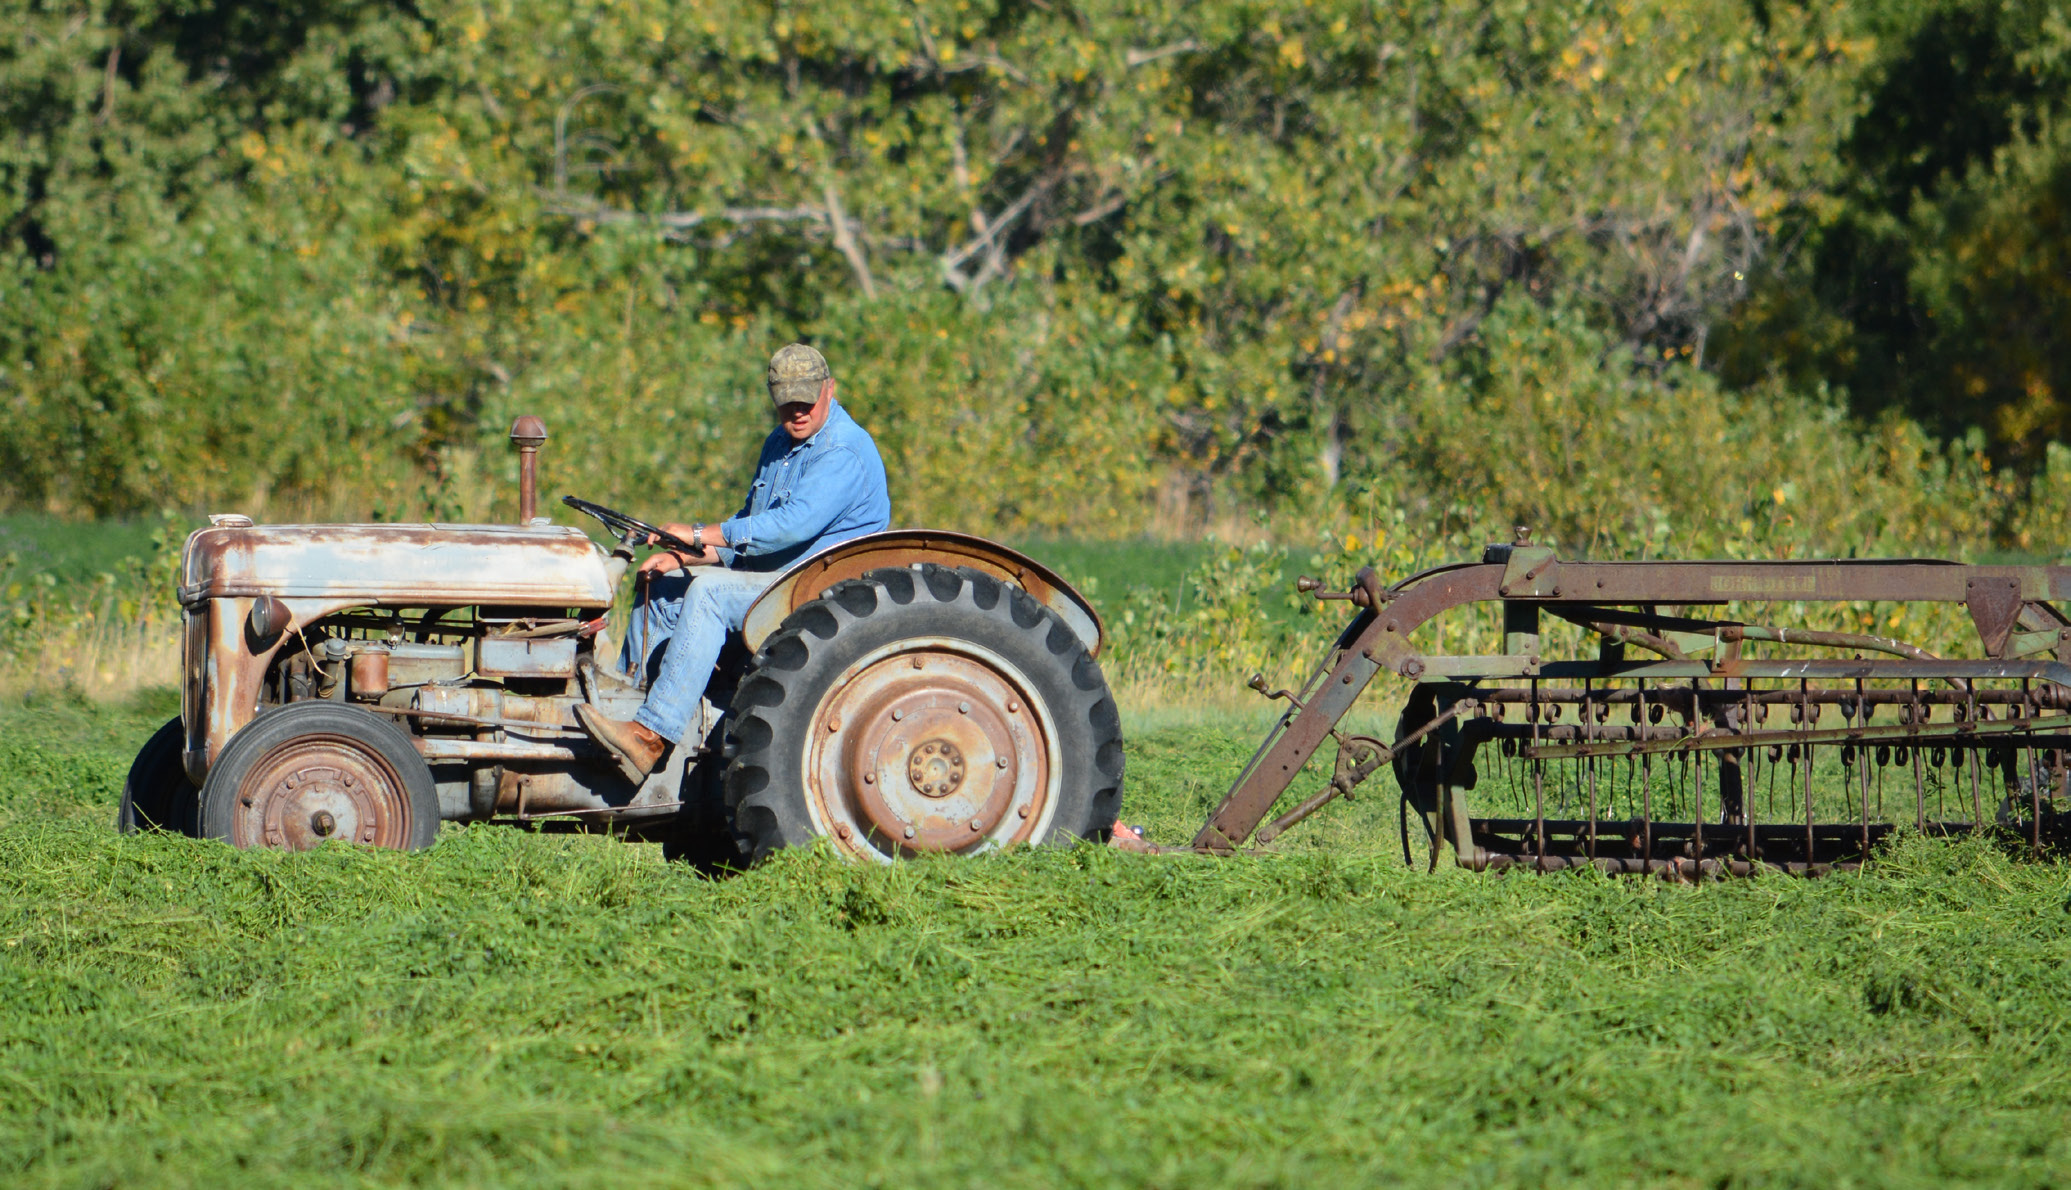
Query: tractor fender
804, 582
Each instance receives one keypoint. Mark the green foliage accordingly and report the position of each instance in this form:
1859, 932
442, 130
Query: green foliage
70, 582
1079, 270
532, 1009
2040, 526
1933, 281
1212, 626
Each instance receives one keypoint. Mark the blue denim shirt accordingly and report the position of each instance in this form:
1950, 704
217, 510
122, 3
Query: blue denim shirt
808, 496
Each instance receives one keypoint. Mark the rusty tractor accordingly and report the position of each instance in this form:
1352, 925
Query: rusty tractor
1687, 745
905, 693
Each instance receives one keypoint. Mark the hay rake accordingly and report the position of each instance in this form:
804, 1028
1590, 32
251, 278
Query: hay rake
1691, 744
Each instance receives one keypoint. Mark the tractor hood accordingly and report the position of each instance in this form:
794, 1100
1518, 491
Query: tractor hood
395, 565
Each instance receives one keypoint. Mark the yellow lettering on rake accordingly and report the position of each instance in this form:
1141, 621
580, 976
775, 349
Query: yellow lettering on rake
1764, 584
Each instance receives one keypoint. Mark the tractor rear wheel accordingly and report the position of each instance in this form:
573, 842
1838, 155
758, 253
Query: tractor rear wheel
930, 709
157, 794
316, 771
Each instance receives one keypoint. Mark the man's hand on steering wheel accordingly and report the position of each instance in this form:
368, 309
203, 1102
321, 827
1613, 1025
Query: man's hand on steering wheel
670, 559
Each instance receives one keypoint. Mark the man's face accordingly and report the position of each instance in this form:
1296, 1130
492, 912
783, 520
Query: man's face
801, 419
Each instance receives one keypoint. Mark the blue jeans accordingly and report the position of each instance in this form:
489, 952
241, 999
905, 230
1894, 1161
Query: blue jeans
691, 610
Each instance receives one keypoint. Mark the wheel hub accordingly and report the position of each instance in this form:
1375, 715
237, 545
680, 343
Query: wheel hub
936, 768
928, 750
316, 789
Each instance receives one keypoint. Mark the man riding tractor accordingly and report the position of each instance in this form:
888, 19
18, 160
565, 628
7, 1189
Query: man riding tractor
898, 692
818, 483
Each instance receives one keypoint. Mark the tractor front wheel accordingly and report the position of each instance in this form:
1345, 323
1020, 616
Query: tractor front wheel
157, 794
311, 772
929, 709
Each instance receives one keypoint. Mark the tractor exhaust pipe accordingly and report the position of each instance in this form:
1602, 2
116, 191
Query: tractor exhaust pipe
528, 434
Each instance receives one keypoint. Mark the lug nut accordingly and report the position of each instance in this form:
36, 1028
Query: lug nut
834, 723
909, 832
976, 826
898, 715
1023, 811
1001, 761
842, 830
1012, 706
963, 708
869, 778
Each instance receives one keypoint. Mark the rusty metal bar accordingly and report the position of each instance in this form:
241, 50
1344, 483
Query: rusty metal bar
519, 725
1826, 696
433, 748
1956, 734
1862, 773
629, 810
1589, 726
528, 434
1697, 784
1538, 778
1679, 868
1818, 669
1646, 782
1344, 784
1325, 701
1805, 753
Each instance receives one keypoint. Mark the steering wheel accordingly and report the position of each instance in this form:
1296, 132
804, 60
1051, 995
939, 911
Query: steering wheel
633, 532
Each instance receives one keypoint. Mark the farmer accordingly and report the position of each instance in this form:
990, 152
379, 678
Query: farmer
819, 483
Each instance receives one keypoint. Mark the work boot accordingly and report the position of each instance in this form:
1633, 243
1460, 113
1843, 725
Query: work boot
632, 743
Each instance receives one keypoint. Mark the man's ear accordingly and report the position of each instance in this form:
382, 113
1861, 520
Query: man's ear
826, 391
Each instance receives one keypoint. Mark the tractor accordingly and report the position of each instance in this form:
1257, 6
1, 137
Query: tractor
905, 693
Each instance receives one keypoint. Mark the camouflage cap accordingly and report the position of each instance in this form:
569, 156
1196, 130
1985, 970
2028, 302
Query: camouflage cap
795, 375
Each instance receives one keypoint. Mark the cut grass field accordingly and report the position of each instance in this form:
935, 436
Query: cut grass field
513, 1008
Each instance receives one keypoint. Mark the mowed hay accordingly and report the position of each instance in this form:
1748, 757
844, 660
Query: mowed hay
514, 1008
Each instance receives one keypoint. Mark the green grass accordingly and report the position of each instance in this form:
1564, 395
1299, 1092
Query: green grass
1107, 572
1107, 569
525, 1009
73, 550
